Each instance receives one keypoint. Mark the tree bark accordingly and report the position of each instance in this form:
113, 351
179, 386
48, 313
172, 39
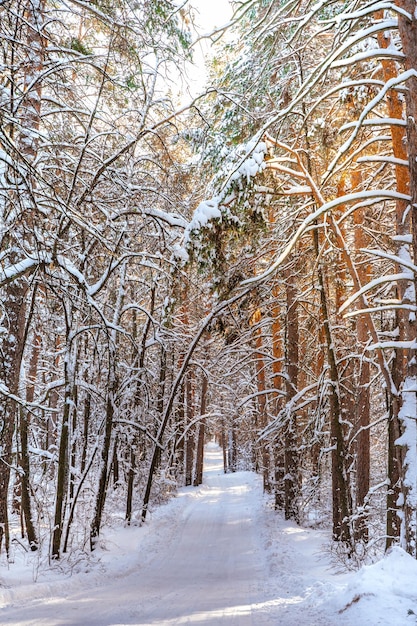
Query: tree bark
362, 420
277, 359
291, 385
407, 25
340, 486
24, 445
62, 476
130, 480
190, 436
261, 398
105, 454
201, 433
13, 347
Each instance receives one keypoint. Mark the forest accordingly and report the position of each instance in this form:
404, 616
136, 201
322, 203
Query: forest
237, 265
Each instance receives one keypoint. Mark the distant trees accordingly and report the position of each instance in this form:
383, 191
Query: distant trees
264, 295
319, 140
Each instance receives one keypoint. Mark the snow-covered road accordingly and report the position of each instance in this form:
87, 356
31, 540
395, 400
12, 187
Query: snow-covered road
213, 555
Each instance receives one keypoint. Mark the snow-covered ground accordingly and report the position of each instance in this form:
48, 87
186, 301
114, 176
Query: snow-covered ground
213, 555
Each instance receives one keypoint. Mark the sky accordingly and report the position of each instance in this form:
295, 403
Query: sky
209, 14
212, 13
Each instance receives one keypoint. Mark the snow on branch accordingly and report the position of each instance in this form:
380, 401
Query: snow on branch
249, 165
383, 159
388, 278
395, 306
343, 86
370, 9
374, 121
204, 213
371, 196
4, 391
393, 345
291, 406
256, 394
406, 263
315, 76
392, 82
17, 270
381, 53
171, 219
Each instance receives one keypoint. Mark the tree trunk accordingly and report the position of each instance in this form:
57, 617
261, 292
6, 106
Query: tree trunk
261, 398
62, 477
105, 454
12, 349
201, 433
362, 421
190, 436
232, 448
404, 147
340, 486
74, 438
86, 421
24, 445
277, 356
407, 25
223, 445
291, 383
130, 480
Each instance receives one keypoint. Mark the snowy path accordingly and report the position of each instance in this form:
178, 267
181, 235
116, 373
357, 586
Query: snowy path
212, 556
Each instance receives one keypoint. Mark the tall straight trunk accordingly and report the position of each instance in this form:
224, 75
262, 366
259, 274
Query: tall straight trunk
179, 430
277, 358
130, 480
86, 421
232, 449
223, 445
341, 498
12, 349
160, 398
109, 417
140, 358
62, 475
291, 384
31, 104
340, 486
404, 144
344, 338
407, 25
201, 433
51, 431
73, 437
105, 454
24, 445
261, 398
362, 421
115, 465
354, 394
190, 436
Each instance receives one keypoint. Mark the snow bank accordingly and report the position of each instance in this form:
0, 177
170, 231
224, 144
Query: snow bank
382, 593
